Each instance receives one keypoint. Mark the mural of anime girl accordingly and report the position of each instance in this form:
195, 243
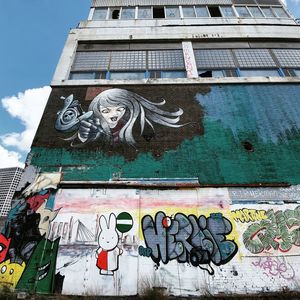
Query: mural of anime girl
112, 116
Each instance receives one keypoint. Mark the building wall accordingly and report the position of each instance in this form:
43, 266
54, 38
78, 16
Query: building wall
218, 134
188, 241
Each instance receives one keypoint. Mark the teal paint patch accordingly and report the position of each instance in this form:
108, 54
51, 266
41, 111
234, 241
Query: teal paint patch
265, 116
270, 111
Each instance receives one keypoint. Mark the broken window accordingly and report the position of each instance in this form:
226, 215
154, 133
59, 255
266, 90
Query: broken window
214, 11
158, 12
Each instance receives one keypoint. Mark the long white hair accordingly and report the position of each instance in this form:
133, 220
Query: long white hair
137, 107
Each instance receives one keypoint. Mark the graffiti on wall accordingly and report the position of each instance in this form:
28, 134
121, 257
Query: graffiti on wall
280, 231
188, 239
275, 267
27, 257
246, 215
112, 116
108, 253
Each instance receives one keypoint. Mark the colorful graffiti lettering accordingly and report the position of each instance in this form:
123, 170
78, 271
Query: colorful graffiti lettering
199, 241
248, 215
112, 116
39, 274
274, 266
279, 232
10, 273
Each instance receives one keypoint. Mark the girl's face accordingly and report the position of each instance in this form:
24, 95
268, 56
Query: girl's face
112, 114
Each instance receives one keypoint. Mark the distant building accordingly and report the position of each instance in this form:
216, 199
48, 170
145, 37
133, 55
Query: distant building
9, 180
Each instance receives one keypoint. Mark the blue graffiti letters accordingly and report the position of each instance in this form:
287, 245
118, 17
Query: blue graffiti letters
198, 241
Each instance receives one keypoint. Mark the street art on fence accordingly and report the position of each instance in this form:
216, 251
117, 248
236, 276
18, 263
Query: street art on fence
112, 116
199, 241
273, 230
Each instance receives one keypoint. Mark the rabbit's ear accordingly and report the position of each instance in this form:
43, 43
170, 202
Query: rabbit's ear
103, 223
112, 221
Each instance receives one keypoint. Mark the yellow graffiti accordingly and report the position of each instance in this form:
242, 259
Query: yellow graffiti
10, 273
248, 215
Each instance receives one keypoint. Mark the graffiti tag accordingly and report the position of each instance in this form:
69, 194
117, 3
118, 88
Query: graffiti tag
279, 232
275, 267
188, 239
248, 215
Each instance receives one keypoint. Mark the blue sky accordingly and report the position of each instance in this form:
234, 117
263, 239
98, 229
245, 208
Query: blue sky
33, 33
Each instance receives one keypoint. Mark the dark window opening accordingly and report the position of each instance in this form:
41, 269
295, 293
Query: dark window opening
248, 146
115, 14
206, 74
158, 12
214, 11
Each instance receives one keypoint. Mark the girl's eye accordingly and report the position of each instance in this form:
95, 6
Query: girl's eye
120, 108
105, 111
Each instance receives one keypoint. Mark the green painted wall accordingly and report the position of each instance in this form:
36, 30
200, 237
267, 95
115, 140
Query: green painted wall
212, 147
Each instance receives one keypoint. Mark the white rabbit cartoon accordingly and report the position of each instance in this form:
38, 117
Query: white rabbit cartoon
108, 252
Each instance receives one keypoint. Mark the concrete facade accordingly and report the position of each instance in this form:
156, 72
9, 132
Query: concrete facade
189, 184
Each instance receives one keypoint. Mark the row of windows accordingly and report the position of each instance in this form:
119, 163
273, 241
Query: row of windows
175, 12
174, 59
204, 73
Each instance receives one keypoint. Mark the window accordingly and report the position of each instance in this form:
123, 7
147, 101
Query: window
267, 12
128, 13
217, 73
227, 11
173, 74
259, 72
254, 58
297, 72
201, 11
255, 12
214, 11
165, 60
100, 14
158, 12
128, 64
214, 58
280, 12
114, 75
87, 75
243, 11
188, 11
288, 58
145, 12
291, 72
114, 13
172, 12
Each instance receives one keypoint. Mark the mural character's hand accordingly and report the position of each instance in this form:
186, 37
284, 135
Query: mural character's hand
88, 130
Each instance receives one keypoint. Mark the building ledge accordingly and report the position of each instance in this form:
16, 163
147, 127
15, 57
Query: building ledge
162, 81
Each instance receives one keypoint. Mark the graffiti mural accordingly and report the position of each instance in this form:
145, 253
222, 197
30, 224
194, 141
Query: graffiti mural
10, 273
248, 215
275, 267
23, 243
39, 274
280, 232
199, 241
111, 117
108, 252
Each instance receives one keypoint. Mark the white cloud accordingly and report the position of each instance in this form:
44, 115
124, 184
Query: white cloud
28, 108
10, 158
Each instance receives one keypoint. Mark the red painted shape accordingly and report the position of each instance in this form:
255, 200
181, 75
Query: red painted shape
36, 201
102, 260
4, 245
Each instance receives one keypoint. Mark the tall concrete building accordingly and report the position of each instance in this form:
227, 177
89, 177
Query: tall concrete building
9, 180
168, 154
